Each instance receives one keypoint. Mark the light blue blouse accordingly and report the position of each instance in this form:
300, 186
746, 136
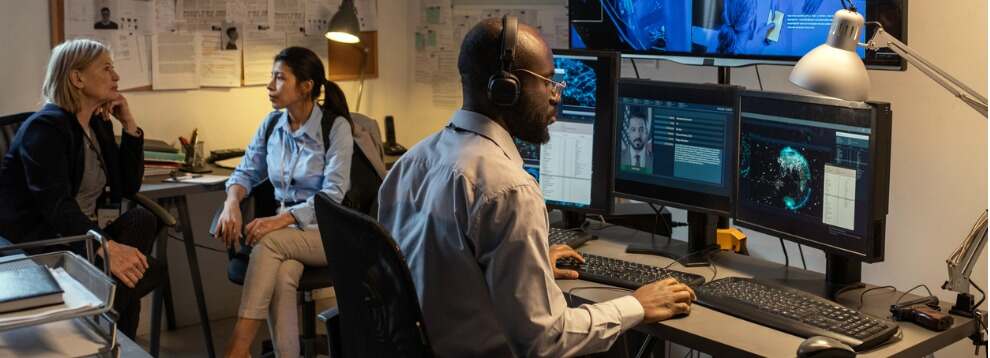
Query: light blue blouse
298, 163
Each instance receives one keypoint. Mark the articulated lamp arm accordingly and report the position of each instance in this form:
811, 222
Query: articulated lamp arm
882, 39
960, 263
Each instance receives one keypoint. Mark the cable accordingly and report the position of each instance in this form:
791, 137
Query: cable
197, 245
984, 294
787, 259
861, 294
636, 69
708, 258
803, 264
912, 289
758, 78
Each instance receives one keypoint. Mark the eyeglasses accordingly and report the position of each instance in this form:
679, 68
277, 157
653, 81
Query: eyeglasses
555, 87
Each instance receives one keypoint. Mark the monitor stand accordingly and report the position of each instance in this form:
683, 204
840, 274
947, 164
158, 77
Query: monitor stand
701, 242
841, 274
571, 219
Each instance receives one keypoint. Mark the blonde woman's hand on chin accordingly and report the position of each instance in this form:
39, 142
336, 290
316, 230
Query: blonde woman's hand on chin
120, 110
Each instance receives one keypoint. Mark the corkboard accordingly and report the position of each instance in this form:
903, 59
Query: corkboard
345, 59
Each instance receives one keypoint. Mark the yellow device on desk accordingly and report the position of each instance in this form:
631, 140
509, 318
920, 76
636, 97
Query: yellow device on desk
731, 239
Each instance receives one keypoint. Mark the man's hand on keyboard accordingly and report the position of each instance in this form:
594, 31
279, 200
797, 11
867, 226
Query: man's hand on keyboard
664, 299
559, 252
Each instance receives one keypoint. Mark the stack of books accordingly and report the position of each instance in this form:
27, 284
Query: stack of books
160, 158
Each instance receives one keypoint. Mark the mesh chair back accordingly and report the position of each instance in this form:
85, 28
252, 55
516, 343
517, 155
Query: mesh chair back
379, 311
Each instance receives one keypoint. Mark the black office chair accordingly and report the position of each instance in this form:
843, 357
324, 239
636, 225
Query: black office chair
8, 129
262, 198
378, 313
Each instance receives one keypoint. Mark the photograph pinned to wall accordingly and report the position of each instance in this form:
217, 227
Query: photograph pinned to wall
104, 17
230, 36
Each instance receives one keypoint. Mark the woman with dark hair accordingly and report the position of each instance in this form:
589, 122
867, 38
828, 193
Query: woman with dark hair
297, 162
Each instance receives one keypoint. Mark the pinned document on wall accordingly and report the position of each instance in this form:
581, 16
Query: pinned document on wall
259, 49
220, 59
175, 61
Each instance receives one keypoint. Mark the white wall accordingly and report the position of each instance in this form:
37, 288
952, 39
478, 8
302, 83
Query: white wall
939, 153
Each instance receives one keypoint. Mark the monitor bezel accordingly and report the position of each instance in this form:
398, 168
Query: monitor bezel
602, 202
712, 94
883, 59
867, 249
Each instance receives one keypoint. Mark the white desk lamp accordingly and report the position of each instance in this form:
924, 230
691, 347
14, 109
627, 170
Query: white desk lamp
834, 69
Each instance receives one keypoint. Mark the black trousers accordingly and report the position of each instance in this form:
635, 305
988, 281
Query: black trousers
137, 228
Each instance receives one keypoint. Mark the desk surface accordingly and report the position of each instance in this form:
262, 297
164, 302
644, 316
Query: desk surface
155, 188
723, 335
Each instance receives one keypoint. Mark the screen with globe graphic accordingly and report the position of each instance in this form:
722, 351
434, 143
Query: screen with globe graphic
804, 169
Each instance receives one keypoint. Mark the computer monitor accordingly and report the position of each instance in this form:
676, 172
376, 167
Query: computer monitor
574, 168
816, 171
726, 32
675, 145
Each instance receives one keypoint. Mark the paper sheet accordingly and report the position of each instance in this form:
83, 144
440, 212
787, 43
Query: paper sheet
318, 14
200, 15
316, 43
165, 16
174, 61
367, 12
136, 16
289, 16
260, 14
259, 49
199, 179
218, 67
132, 60
446, 81
79, 17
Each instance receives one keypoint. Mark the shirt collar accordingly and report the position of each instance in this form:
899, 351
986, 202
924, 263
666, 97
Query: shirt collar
310, 128
486, 127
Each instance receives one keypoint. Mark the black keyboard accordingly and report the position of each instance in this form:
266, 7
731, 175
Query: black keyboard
795, 312
625, 274
569, 237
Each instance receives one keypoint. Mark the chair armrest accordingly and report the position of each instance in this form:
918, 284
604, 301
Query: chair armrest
163, 215
328, 315
331, 318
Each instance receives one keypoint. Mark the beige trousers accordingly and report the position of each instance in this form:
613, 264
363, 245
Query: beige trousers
273, 274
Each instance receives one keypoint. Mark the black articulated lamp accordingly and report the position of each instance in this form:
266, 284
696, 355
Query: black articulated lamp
345, 28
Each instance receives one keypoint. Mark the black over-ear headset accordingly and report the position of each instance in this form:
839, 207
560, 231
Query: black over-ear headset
503, 86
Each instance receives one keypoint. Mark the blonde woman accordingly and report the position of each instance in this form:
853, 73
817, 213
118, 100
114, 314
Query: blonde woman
63, 167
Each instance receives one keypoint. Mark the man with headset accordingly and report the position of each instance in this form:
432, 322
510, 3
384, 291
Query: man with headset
472, 223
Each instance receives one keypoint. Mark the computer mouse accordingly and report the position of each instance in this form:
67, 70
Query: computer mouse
824, 347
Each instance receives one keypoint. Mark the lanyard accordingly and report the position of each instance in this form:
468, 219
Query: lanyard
287, 177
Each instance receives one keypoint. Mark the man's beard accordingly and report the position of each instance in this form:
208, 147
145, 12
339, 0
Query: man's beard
529, 123
637, 144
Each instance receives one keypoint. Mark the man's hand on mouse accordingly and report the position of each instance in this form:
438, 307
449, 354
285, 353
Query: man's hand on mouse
664, 299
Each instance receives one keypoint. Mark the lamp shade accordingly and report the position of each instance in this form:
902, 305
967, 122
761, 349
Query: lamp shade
834, 68
344, 26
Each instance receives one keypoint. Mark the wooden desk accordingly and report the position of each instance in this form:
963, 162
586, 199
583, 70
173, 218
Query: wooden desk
720, 334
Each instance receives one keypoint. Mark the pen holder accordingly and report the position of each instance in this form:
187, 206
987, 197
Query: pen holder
195, 159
